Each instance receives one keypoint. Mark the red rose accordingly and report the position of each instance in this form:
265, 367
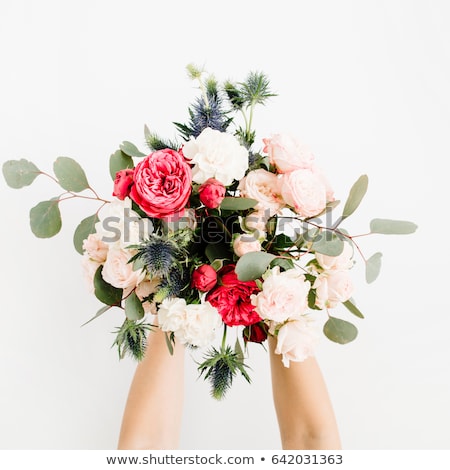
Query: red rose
256, 333
232, 298
162, 184
123, 182
204, 278
211, 193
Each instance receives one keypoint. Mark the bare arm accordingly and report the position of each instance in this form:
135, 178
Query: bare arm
152, 416
305, 415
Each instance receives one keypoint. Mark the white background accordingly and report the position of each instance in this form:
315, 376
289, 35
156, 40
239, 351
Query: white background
365, 84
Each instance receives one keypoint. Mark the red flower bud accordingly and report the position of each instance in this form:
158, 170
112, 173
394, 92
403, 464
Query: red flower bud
211, 193
256, 333
123, 182
204, 278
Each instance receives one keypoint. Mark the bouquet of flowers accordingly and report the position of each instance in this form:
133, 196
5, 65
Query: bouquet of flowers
208, 233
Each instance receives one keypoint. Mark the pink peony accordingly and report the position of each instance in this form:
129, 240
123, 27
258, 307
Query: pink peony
123, 183
287, 153
162, 184
211, 193
332, 288
304, 192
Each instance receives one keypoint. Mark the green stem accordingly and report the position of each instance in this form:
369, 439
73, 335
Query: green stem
224, 338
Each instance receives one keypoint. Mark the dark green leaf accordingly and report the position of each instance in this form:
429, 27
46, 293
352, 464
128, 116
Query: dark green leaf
283, 263
45, 219
19, 173
353, 308
85, 228
373, 266
215, 251
100, 312
392, 227
131, 150
70, 175
169, 343
253, 265
237, 203
119, 161
340, 331
357, 192
133, 307
105, 292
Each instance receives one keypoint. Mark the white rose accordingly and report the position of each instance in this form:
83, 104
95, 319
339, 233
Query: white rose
337, 263
332, 288
263, 186
118, 272
304, 191
297, 339
216, 155
193, 324
246, 243
284, 295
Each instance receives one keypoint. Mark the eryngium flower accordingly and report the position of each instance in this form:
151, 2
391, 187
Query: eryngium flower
158, 255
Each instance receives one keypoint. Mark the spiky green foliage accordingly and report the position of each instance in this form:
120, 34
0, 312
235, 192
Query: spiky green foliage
220, 367
173, 284
255, 89
131, 339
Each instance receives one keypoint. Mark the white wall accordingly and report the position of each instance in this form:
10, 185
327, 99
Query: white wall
366, 84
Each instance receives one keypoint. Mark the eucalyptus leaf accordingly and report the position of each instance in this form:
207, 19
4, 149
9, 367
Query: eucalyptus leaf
19, 173
238, 350
131, 150
133, 307
350, 305
253, 265
392, 227
100, 312
84, 229
340, 331
45, 219
70, 175
215, 251
105, 292
357, 192
237, 203
119, 161
328, 243
373, 266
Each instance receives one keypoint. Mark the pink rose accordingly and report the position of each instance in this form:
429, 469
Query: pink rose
257, 222
287, 153
304, 192
118, 272
162, 184
246, 243
297, 339
264, 187
332, 288
321, 175
123, 183
204, 278
341, 262
95, 248
211, 193
89, 267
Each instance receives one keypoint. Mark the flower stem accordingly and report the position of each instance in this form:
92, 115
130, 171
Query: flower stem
224, 338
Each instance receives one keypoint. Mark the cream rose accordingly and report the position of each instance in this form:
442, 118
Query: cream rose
118, 272
193, 324
332, 288
284, 295
264, 187
95, 248
216, 155
297, 339
337, 263
287, 153
246, 243
89, 267
304, 192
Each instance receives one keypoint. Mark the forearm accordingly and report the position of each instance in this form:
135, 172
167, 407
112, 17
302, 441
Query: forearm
303, 407
152, 416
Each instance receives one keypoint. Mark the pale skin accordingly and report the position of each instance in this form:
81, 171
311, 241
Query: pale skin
304, 411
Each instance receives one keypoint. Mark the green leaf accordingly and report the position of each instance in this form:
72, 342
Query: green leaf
353, 308
238, 350
328, 243
70, 175
283, 263
45, 219
215, 251
373, 266
357, 192
237, 203
105, 292
131, 150
133, 307
119, 161
19, 173
85, 228
253, 265
100, 312
169, 342
392, 227
340, 331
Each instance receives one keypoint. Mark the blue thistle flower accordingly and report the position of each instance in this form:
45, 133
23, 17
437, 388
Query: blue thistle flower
158, 255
